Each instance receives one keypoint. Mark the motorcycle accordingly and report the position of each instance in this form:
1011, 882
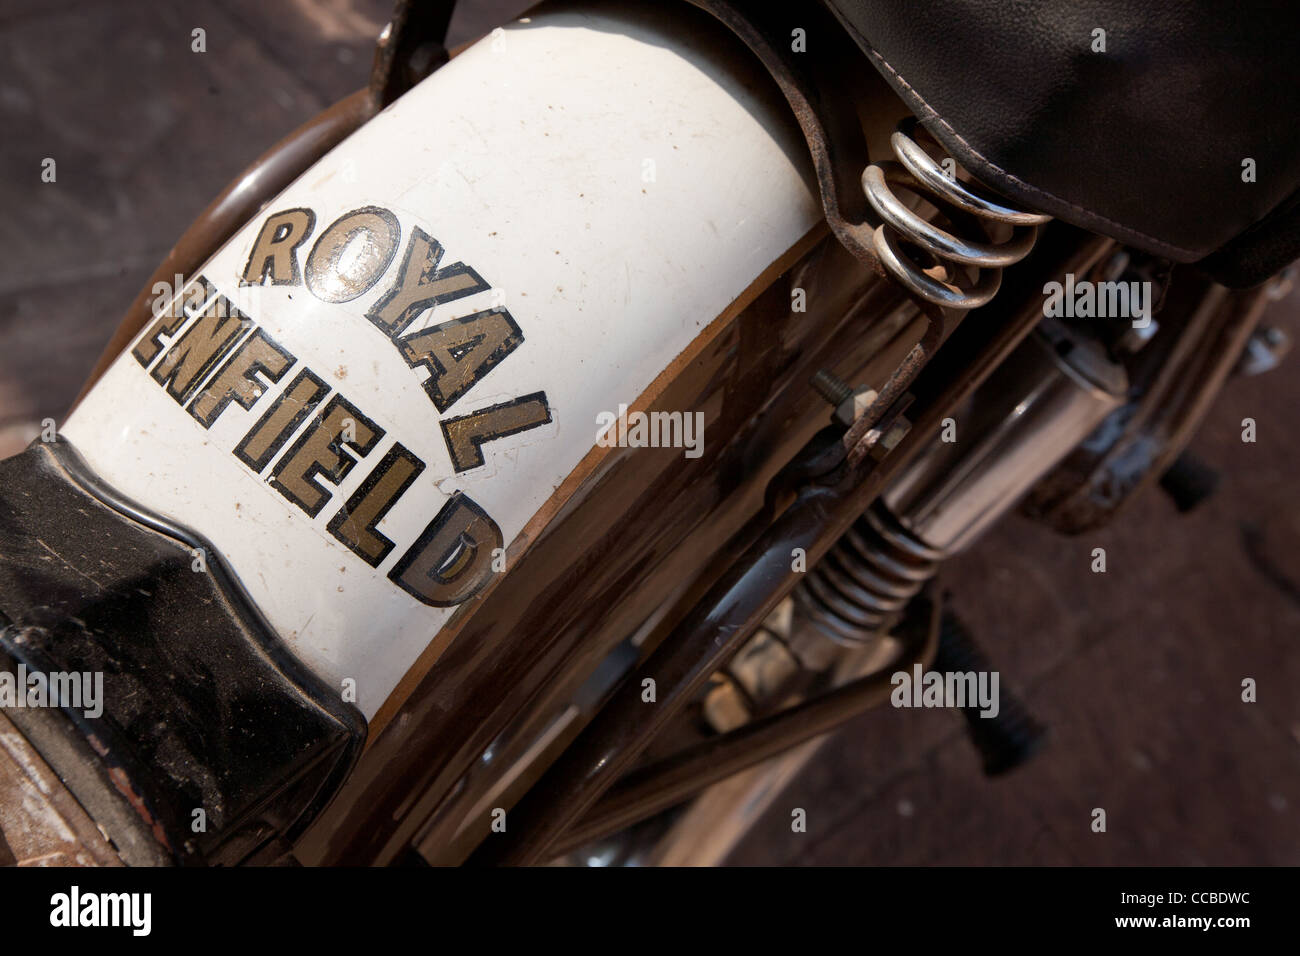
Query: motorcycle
533, 457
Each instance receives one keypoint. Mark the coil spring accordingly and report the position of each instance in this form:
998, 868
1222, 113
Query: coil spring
961, 203
866, 578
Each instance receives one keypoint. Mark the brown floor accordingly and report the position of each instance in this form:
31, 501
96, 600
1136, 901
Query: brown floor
1137, 671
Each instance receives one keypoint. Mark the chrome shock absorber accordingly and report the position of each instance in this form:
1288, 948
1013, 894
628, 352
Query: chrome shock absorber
1042, 401
964, 205
867, 578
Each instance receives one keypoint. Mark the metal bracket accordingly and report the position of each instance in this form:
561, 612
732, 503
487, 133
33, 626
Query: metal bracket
412, 46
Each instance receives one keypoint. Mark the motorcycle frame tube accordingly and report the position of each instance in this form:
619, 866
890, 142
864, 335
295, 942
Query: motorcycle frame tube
837, 151
679, 529
1024, 421
759, 579
1177, 377
976, 348
650, 789
667, 782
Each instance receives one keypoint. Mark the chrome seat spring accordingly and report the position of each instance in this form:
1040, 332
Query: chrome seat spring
962, 204
866, 578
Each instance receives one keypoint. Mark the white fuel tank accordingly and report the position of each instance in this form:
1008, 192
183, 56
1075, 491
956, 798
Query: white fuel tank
377, 387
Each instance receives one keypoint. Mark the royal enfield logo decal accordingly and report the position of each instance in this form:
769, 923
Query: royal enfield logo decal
216, 354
